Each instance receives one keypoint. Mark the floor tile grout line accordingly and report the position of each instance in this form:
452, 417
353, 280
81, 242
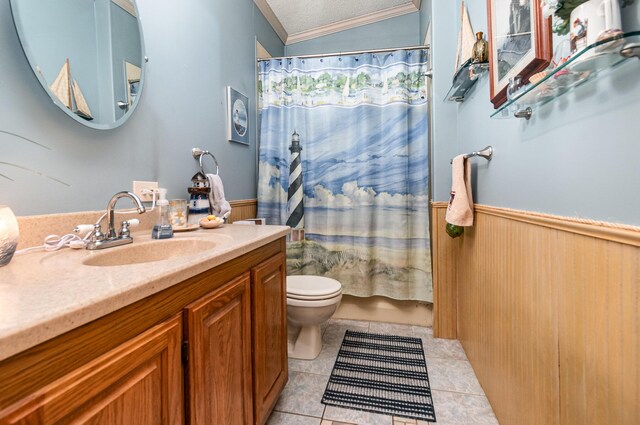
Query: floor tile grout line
459, 392
306, 415
444, 358
447, 358
311, 373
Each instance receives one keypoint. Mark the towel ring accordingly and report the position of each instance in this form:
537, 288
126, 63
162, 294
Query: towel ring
199, 153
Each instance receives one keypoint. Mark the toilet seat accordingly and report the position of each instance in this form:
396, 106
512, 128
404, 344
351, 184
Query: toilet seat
312, 287
314, 297
314, 302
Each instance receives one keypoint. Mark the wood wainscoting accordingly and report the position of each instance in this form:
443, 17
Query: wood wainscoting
547, 309
243, 209
445, 275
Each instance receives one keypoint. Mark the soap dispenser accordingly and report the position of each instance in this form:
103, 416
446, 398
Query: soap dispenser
162, 229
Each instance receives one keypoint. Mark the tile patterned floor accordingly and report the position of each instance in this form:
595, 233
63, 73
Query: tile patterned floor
457, 395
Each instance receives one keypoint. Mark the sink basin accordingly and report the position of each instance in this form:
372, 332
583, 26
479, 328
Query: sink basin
146, 252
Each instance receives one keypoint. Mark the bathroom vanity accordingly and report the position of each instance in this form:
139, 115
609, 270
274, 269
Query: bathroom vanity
147, 336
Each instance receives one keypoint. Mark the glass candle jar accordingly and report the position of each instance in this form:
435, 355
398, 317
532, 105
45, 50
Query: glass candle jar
178, 212
8, 234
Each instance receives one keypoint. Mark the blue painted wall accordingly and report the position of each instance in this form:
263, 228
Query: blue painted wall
425, 18
195, 50
444, 129
401, 31
577, 157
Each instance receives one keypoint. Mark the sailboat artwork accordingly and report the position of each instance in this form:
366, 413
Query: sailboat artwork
465, 72
466, 40
67, 90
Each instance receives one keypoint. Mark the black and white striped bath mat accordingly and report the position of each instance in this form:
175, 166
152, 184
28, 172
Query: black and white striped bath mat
382, 374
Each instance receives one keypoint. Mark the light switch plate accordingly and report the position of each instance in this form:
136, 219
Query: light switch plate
139, 186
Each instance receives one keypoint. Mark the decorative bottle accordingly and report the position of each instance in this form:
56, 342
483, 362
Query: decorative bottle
514, 85
162, 229
480, 53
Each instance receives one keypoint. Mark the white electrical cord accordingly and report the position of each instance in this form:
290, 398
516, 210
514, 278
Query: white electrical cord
55, 242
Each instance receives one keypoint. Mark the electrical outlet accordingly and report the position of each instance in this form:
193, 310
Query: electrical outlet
138, 187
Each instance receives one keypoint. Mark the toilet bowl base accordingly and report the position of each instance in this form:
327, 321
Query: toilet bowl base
305, 344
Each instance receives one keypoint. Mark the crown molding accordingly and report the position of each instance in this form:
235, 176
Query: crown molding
369, 18
127, 5
272, 19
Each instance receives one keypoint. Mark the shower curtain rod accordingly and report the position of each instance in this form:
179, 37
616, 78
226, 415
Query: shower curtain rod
357, 52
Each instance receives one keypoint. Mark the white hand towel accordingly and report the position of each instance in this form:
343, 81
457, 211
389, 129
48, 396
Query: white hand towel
460, 209
219, 204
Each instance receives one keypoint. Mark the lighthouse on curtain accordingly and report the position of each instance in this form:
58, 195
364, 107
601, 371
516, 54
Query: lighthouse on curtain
295, 199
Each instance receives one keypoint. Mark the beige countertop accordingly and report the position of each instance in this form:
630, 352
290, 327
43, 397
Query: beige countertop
45, 294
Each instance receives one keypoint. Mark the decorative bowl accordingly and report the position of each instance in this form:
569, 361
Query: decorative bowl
211, 224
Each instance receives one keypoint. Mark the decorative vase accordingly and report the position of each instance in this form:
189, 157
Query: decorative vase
480, 52
8, 235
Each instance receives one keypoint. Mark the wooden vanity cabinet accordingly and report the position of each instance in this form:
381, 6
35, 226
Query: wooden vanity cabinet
270, 373
209, 350
140, 382
218, 329
237, 339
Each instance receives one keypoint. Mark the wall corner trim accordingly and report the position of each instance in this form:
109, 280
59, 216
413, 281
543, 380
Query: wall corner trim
272, 19
615, 232
621, 233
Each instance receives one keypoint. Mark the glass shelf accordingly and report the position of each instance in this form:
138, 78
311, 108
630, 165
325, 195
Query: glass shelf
586, 65
465, 78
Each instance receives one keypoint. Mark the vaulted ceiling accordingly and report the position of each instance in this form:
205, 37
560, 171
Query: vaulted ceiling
298, 20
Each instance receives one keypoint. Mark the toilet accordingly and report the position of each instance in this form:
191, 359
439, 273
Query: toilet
311, 301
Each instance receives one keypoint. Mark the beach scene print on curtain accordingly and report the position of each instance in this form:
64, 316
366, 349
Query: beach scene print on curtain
362, 124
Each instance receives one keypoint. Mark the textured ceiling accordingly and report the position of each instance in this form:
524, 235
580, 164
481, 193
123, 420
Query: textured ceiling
302, 16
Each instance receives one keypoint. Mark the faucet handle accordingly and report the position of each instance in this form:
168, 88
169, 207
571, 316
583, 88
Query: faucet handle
124, 229
96, 234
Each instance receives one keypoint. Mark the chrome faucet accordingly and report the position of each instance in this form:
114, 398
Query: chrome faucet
99, 240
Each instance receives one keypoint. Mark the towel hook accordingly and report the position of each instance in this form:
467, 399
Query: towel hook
198, 153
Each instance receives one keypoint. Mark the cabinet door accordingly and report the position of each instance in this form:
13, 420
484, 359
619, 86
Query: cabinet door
219, 366
269, 296
140, 382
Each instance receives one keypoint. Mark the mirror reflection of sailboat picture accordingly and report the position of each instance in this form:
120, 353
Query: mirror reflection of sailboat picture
67, 90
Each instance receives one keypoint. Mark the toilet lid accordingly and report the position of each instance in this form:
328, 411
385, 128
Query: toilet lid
312, 286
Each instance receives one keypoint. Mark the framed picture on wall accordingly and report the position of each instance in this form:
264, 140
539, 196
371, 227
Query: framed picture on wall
237, 117
520, 43
132, 75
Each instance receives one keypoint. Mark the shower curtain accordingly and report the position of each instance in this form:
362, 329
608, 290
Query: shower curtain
356, 184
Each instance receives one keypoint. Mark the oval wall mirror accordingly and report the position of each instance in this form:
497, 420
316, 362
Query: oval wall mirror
87, 54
